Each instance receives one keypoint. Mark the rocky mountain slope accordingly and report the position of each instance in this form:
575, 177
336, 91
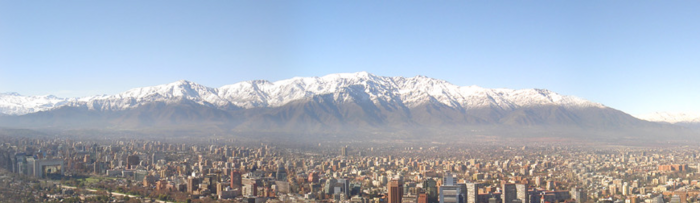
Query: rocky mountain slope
350, 103
689, 120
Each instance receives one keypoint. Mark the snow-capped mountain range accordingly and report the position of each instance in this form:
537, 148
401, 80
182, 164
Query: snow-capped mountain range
347, 104
345, 87
671, 117
16, 104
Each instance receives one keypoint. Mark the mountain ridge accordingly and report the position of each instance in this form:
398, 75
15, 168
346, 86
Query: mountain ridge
671, 117
350, 105
686, 119
411, 92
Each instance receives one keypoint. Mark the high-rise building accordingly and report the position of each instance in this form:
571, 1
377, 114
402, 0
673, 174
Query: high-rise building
156, 156
329, 187
682, 194
192, 184
508, 192
422, 198
281, 172
344, 151
236, 181
473, 192
250, 189
634, 199
675, 199
132, 161
344, 185
220, 188
395, 188
430, 187
449, 179
551, 185
453, 193
578, 195
612, 189
535, 196
521, 193
313, 177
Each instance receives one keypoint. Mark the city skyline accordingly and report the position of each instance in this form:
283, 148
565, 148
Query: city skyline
227, 170
349, 101
632, 56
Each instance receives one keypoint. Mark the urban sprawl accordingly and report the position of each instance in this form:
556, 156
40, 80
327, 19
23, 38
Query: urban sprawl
123, 170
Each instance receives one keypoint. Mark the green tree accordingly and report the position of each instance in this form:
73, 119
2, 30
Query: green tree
163, 197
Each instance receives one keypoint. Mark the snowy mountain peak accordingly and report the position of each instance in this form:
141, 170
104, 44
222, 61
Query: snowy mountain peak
180, 82
16, 104
183, 84
344, 88
346, 77
179, 90
671, 117
421, 77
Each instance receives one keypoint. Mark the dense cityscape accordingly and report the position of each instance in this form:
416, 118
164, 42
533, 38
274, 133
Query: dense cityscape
129, 170
349, 101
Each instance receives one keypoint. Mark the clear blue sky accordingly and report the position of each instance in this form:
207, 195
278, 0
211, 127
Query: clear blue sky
636, 56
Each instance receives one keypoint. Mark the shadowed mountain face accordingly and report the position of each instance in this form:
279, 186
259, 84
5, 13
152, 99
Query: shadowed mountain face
322, 115
351, 106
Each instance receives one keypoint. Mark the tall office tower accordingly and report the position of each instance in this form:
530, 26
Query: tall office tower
473, 192
236, 181
281, 172
156, 156
578, 194
612, 189
192, 184
254, 189
430, 187
451, 192
329, 187
344, 151
535, 197
395, 188
449, 179
132, 161
508, 193
521, 193
345, 186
